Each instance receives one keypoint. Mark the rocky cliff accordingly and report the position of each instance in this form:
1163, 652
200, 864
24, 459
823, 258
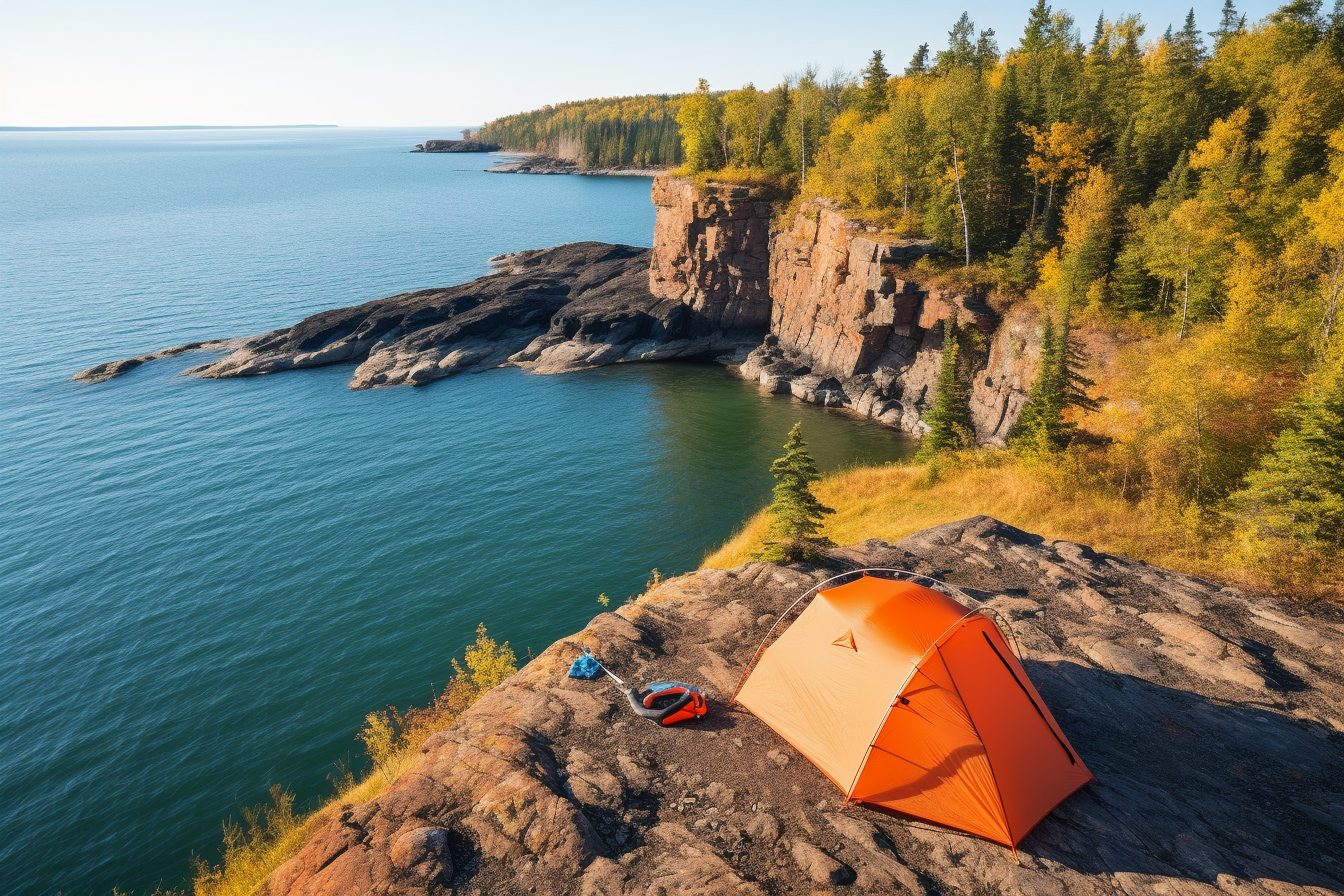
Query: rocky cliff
712, 252
1211, 718
849, 325
820, 308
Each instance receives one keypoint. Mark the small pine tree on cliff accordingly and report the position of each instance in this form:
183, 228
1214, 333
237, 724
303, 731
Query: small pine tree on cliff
949, 419
1059, 385
795, 513
1041, 426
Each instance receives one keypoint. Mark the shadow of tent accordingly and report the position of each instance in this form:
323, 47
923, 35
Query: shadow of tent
1191, 787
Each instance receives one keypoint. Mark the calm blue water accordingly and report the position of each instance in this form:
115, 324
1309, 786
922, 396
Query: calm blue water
205, 585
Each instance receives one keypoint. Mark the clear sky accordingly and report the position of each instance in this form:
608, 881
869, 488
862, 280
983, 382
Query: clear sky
415, 62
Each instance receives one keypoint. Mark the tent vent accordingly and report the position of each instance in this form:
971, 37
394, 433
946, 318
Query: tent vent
846, 640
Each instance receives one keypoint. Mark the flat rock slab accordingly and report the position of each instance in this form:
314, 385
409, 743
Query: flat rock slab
1216, 740
553, 310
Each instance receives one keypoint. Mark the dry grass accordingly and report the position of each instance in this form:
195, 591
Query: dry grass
272, 833
1060, 500
245, 866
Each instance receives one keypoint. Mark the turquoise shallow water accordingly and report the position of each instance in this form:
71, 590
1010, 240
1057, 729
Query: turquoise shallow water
204, 585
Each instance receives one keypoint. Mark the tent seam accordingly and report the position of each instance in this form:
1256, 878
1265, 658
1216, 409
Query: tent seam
998, 791
900, 692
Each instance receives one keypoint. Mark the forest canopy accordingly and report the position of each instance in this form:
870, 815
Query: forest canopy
619, 132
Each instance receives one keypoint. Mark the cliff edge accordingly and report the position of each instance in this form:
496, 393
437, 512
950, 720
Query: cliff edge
1211, 718
818, 306
848, 323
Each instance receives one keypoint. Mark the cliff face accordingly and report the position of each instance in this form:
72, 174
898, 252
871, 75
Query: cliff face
821, 309
712, 252
848, 327
1211, 719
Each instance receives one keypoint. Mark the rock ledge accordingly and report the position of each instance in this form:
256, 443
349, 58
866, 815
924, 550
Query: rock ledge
1210, 717
553, 310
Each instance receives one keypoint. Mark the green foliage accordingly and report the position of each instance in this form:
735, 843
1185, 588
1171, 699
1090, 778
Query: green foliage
1042, 427
875, 77
795, 513
703, 139
1296, 493
632, 131
487, 662
249, 846
949, 417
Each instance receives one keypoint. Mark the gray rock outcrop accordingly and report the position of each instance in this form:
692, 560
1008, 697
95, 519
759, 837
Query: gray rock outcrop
456, 146
822, 309
1211, 718
550, 310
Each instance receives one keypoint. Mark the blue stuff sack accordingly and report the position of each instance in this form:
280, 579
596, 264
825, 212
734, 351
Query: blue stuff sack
585, 667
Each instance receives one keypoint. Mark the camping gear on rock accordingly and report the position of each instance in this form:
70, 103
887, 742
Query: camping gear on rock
911, 702
665, 702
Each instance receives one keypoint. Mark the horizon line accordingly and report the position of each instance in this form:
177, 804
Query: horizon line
207, 127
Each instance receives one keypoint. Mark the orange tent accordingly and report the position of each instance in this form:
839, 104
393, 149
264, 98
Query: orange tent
909, 701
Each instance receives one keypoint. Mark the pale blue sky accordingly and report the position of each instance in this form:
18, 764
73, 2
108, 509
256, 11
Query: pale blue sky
413, 62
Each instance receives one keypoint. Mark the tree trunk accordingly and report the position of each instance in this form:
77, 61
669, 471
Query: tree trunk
965, 224
1185, 306
1332, 302
1199, 454
802, 144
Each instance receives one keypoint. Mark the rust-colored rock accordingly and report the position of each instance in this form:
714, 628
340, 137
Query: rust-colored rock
850, 328
712, 252
824, 309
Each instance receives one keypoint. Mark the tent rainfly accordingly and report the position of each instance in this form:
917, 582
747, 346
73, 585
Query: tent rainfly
908, 701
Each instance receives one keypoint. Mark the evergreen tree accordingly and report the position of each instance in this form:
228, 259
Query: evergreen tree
1335, 29
919, 63
949, 418
875, 77
795, 513
1297, 492
960, 45
701, 121
1231, 23
1059, 385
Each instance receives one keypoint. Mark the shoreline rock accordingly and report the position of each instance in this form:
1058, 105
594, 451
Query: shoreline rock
1209, 716
849, 324
533, 163
556, 310
455, 146
820, 308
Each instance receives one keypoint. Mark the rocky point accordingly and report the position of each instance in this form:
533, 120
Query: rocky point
818, 307
1210, 717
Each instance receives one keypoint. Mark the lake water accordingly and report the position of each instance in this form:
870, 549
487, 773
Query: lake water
205, 585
